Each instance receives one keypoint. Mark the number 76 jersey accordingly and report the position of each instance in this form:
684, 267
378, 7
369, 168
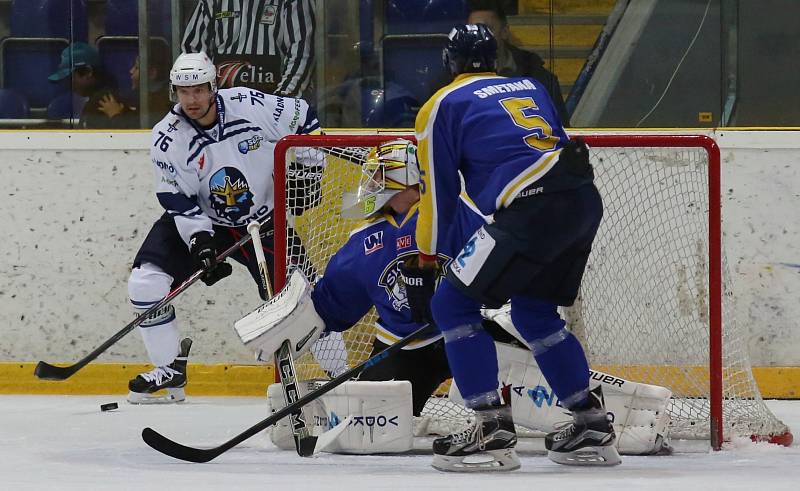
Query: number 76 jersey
223, 175
502, 135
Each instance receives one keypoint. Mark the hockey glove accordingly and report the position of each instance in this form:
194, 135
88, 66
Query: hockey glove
303, 183
204, 256
420, 283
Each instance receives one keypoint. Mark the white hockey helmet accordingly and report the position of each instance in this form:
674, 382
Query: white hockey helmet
192, 69
390, 168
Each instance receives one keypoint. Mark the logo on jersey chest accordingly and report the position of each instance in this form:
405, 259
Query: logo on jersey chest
268, 17
250, 144
373, 242
390, 279
229, 194
227, 14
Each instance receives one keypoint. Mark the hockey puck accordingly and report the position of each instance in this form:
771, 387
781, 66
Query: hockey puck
109, 407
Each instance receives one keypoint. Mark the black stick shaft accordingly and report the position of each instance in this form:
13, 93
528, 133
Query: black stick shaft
46, 371
191, 454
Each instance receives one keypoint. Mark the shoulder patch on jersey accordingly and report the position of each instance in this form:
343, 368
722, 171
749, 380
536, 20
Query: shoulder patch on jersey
403, 242
250, 144
373, 242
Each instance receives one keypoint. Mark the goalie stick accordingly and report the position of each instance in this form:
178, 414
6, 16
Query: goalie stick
284, 362
46, 371
190, 454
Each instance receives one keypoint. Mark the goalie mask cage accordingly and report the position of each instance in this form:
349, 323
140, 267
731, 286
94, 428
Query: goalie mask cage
653, 307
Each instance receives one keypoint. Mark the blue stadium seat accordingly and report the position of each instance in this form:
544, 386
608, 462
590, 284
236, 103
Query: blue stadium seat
412, 66
25, 65
118, 54
66, 106
122, 18
424, 16
13, 105
397, 112
50, 19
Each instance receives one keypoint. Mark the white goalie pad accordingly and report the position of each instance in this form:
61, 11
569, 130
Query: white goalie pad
379, 413
641, 421
288, 315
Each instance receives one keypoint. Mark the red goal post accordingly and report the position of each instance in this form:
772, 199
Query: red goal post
677, 176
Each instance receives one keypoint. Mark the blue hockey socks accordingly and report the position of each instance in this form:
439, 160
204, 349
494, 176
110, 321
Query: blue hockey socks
559, 354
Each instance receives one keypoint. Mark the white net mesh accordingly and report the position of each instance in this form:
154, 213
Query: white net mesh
644, 309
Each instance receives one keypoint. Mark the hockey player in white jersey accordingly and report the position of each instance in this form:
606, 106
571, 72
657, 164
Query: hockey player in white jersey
213, 160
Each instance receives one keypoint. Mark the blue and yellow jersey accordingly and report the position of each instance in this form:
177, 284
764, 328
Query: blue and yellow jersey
501, 135
365, 272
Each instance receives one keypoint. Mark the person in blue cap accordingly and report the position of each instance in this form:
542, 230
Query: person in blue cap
88, 80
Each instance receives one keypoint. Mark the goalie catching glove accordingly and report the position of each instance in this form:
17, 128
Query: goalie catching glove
289, 315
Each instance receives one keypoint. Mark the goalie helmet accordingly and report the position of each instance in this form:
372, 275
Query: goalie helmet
470, 48
192, 69
390, 168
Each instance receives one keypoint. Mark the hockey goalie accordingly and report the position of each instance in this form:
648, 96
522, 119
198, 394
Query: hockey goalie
383, 410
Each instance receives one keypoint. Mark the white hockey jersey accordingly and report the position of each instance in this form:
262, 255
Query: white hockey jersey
223, 175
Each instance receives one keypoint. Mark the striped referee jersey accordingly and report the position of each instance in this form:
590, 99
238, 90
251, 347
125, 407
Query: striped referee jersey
264, 44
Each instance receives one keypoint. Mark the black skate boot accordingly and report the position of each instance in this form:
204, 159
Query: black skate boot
487, 445
171, 377
588, 440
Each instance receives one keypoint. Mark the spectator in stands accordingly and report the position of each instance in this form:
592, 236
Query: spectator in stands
81, 63
511, 60
264, 44
122, 111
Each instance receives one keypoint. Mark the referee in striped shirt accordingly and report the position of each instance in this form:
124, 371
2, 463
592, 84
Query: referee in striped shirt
263, 44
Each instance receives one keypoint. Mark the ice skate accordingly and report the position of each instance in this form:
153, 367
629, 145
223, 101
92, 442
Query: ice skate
588, 439
171, 378
486, 446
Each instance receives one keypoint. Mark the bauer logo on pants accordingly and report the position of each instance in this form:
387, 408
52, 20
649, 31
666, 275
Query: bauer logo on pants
472, 257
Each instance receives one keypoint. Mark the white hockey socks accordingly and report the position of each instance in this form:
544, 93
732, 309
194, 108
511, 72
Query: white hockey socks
147, 285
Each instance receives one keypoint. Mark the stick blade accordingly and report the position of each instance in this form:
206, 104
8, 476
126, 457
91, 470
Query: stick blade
46, 371
175, 450
306, 445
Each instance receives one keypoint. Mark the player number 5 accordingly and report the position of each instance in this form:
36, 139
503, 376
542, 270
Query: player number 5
521, 111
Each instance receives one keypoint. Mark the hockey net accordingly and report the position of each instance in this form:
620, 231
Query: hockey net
653, 305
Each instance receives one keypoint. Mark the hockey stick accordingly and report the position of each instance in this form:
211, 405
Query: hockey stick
191, 454
47, 371
284, 362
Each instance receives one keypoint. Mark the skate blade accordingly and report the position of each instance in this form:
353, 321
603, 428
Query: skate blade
596, 456
503, 460
172, 396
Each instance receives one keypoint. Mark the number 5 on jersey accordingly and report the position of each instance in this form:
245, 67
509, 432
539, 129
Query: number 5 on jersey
520, 109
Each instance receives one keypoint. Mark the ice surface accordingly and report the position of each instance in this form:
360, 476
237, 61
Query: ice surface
67, 443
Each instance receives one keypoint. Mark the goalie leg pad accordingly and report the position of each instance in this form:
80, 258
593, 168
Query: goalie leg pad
288, 315
381, 417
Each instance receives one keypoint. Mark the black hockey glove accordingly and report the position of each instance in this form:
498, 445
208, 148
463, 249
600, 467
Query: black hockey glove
420, 283
303, 185
204, 256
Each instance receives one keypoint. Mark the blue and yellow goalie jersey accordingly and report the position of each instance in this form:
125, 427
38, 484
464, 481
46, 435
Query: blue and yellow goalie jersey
365, 272
502, 135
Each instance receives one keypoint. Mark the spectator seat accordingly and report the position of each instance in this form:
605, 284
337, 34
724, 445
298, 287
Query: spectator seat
50, 19
13, 105
25, 64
